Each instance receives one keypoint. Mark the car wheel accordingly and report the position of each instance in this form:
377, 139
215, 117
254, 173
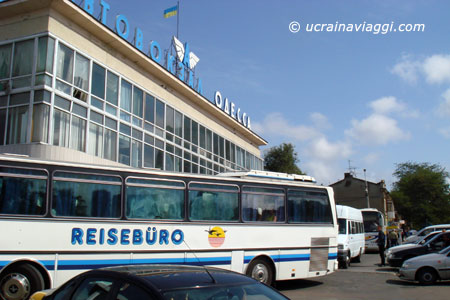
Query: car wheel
260, 270
426, 276
20, 282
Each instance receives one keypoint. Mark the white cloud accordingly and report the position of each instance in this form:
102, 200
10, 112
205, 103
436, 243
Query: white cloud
376, 129
320, 148
371, 158
445, 132
387, 105
437, 68
407, 69
275, 124
320, 121
323, 171
444, 107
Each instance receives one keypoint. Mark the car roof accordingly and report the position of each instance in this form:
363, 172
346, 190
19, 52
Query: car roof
169, 277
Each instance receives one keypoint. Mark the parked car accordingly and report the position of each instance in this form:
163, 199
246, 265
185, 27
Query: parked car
436, 244
425, 231
427, 269
140, 282
421, 241
351, 240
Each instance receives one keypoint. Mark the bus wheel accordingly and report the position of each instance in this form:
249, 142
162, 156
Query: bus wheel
20, 282
260, 270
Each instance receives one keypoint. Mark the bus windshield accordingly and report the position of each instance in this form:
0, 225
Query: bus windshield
371, 220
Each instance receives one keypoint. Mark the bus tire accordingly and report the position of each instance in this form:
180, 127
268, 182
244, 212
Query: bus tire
20, 282
261, 270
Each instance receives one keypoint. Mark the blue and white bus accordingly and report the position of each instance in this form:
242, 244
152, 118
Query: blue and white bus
372, 218
59, 219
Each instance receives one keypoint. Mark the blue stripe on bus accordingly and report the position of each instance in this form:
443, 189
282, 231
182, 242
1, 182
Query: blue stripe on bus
94, 264
290, 257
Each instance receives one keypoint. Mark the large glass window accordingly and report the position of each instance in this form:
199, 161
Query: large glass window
61, 128
149, 156
110, 149
154, 199
98, 81
85, 195
17, 125
81, 78
95, 140
23, 58
5, 60
169, 119
309, 206
22, 191
137, 102
136, 155
41, 115
263, 204
125, 96
112, 88
178, 124
64, 66
149, 108
2, 126
45, 54
78, 134
213, 202
159, 113
124, 149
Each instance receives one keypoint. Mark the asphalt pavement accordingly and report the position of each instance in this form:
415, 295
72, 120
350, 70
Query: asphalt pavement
365, 280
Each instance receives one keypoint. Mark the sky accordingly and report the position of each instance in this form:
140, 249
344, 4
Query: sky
349, 94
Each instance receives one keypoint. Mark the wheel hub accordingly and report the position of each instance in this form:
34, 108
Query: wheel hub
15, 287
260, 273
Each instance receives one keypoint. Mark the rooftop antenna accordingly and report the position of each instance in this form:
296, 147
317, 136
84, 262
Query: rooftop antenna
351, 170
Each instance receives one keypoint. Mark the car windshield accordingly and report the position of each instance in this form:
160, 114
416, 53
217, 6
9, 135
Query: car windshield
427, 238
237, 292
342, 226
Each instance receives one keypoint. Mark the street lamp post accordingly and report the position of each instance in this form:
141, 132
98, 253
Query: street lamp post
367, 190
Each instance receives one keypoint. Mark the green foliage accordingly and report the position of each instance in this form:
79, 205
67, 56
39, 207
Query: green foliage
421, 195
282, 159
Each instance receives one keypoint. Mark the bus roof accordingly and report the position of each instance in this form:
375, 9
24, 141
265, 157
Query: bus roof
269, 175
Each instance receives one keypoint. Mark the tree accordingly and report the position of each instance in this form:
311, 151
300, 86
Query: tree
421, 194
282, 159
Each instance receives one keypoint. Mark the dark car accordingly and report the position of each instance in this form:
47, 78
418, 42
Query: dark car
436, 244
168, 282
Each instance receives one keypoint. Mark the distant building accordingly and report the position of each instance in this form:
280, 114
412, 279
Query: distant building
351, 191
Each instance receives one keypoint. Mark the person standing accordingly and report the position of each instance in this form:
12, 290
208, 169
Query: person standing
393, 238
381, 244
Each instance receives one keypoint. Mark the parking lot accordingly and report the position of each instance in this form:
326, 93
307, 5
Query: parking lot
365, 280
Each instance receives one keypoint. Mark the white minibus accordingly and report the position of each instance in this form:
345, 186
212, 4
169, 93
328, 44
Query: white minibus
351, 244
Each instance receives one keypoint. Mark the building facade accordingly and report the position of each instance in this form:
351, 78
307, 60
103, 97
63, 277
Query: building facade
351, 191
72, 89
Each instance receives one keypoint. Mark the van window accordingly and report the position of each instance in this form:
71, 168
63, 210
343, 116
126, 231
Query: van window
342, 226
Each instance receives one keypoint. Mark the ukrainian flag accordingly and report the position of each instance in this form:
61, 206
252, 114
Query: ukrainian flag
171, 12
